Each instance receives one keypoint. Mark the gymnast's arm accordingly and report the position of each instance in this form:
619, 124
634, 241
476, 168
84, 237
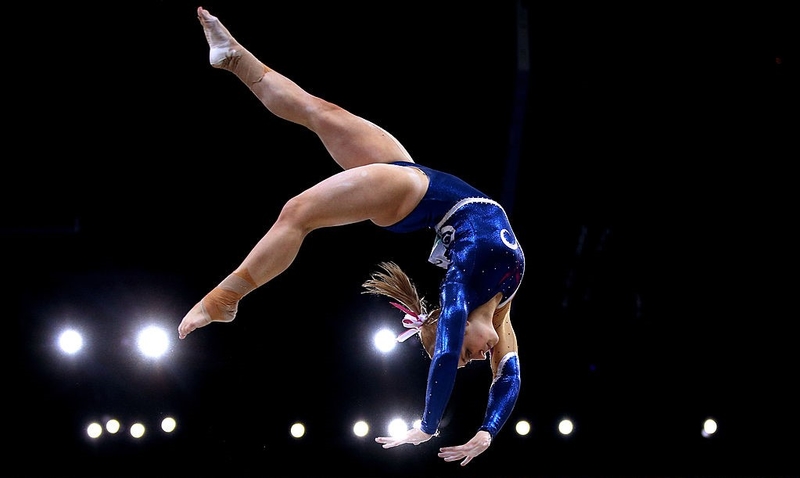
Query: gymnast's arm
442, 371
446, 355
503, 395
505, 386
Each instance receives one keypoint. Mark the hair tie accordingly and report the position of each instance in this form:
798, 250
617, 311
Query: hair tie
411, 320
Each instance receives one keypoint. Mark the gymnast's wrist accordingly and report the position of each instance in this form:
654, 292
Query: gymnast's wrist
422, 428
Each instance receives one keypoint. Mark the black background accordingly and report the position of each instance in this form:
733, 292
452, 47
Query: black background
645, 158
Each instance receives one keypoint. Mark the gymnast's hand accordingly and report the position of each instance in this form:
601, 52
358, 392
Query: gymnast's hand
414, 435
479, 443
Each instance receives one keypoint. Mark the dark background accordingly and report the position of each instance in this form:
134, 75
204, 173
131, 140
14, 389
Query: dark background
645, 158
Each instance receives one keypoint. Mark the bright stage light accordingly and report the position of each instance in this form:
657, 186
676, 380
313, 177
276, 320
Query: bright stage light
153, 341
523, 427
298, 430
70, 341
385, 340
113, 426
168, 424
361, 428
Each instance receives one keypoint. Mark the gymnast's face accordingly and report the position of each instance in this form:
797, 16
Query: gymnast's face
479, 338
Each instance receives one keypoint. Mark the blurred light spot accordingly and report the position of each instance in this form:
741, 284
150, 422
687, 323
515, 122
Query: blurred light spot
397, 427
523, 427
168, 424
153, 341
112, 426
298, 430
361, 428
70, 341
137, 430
385, 340
565, 426
94, 430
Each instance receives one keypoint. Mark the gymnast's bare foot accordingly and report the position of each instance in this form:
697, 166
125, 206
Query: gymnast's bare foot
196, 318
222, 45
219, 305
226, 53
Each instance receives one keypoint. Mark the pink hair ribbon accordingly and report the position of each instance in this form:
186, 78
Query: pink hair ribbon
412, 321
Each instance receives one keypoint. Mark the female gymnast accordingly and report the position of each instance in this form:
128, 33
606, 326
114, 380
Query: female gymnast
380, 182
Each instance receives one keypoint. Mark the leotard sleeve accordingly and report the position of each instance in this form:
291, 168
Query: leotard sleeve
503, 394
446, 354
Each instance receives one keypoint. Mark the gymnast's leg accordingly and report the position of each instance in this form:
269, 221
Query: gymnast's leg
351, 140
379, 192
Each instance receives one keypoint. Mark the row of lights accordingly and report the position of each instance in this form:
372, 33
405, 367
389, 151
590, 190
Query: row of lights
152, 341
361, 428
137, 430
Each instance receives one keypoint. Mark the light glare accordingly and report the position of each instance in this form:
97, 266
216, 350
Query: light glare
168, 424
298, 430
112, 426
523, 427
153, 341
137, 430
70, 341
397, 427
565, 426
385, 340
361, 428
94, 430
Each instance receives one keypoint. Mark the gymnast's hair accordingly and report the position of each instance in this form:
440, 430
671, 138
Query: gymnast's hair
393, 283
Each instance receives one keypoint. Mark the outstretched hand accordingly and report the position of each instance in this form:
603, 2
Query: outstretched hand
414, 435
477, 445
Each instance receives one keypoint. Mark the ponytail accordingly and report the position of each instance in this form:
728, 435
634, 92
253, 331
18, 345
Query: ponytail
393, 283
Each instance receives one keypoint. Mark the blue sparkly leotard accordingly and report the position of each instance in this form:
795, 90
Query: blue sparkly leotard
478, 249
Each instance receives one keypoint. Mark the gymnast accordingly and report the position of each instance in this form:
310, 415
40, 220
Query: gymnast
473, 242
